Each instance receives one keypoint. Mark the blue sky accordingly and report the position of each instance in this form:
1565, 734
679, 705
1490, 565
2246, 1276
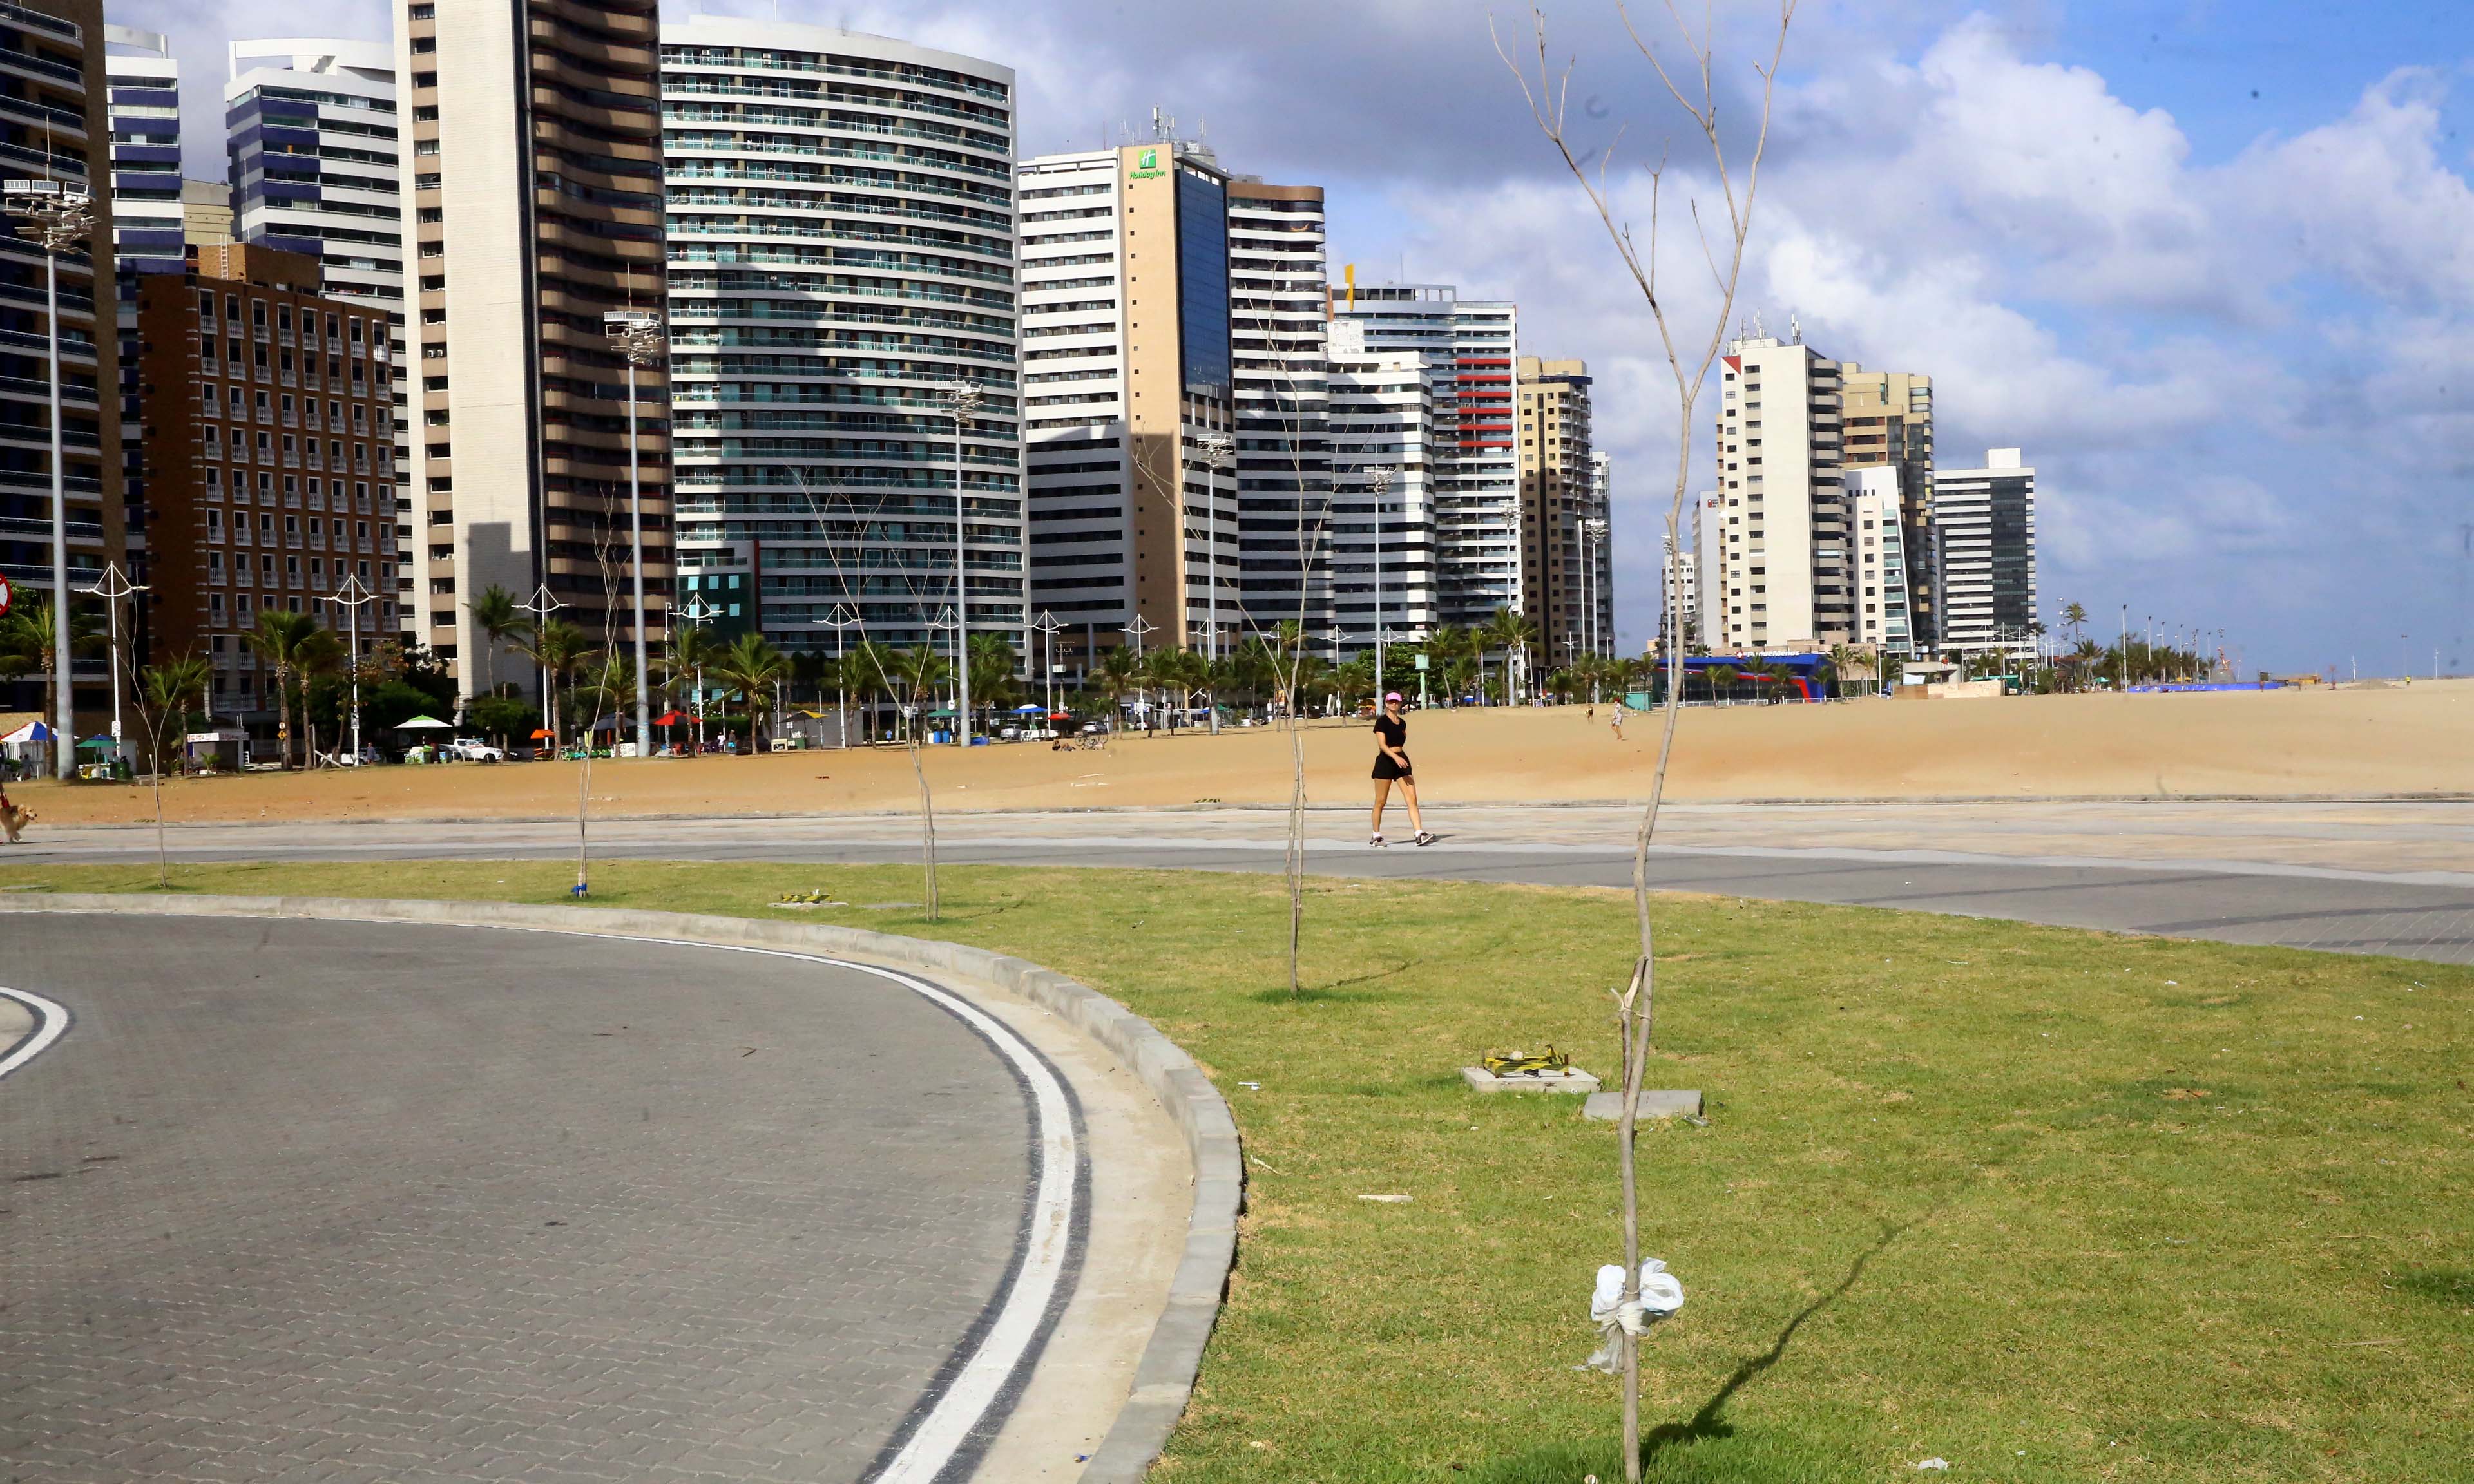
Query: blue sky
2233, 333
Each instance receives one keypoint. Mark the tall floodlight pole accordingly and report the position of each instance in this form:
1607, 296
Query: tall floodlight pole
842, 617
962, 401
639, 337
59, 220
352, 594
1046, 625
1379, 483
112, 587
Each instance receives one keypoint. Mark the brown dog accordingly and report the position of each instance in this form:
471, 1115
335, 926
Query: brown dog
13, 819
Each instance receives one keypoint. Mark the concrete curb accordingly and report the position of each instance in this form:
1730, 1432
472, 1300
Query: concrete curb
1164, 1376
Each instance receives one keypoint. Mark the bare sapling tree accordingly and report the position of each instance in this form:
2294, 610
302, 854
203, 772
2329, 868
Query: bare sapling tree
1286, 641
909, 698
1721, 244
165, 694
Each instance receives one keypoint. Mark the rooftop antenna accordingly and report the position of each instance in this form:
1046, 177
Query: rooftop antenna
1794, 330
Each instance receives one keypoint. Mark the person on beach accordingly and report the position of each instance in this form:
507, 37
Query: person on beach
1619, 719
1392, 766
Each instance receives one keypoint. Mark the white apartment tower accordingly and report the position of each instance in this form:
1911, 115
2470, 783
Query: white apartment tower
1782, 580
316, 159
1468, 350
1382, 416
1884, 614
843, 240
1278, 317
1129, 398
1984, 529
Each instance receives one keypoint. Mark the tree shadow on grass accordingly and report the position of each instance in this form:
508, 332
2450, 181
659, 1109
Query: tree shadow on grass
1666, 1451
1711, 1420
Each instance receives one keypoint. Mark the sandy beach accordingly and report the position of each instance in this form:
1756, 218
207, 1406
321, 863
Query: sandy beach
2403, 741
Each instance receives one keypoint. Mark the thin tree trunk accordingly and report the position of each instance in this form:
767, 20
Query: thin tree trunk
927, 824
163, 853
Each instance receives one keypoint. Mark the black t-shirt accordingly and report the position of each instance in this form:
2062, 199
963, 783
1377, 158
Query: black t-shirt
1392, 730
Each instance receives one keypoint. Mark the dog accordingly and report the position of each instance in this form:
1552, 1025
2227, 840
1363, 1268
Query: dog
14, 820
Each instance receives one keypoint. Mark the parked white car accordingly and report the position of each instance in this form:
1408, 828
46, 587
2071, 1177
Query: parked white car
472, 750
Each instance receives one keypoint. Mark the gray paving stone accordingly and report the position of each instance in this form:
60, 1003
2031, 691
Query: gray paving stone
321, 1246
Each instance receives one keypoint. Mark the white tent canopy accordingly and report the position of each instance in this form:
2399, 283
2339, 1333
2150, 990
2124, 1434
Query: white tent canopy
424, 724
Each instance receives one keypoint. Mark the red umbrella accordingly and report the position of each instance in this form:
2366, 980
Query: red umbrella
540, 734
669, 719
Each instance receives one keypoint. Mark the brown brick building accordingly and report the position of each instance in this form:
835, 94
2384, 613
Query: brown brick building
270, 457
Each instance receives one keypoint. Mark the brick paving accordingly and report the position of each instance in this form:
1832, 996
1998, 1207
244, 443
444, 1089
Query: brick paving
348, 1201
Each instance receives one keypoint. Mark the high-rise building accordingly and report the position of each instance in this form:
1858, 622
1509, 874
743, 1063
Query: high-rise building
1885, 573
315, 148
1598, 553
268, 450
1468, 347
1680, 599
146, 214
825, 288
56, 127
148, 236
1128, 393
1381, 417
535, 209
1558, 492
1888, 423
1984, 529
1782, 568
1277, 320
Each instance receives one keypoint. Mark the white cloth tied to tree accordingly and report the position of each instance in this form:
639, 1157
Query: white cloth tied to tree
1660, 1296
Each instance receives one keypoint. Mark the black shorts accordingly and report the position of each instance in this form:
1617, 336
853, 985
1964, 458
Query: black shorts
1387, 770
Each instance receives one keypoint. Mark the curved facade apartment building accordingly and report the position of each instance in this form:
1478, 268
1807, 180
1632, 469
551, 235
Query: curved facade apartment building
841, 250
534, 207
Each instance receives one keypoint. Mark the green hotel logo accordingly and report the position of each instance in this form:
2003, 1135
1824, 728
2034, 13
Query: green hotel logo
1146, 165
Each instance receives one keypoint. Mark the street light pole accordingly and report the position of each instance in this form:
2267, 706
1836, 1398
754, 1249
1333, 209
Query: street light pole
58, 219
1138, 628
344, 596
1379, 483
699, 614
841, 617
640, 339
112, 587
962, 399
1219, 454
1047, 626
541, 605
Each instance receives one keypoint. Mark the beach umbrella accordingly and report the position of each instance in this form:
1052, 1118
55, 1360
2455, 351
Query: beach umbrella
540, 734
424, 724
1029, 710
32, 731
669, 719
94, 744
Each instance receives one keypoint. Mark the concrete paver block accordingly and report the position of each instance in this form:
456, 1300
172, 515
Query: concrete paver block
1661, 1104
1570, 1078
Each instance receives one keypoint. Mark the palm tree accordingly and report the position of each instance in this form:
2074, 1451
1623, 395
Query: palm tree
26, 639
754, 668
277, 641
496, 614
556, 648
1513, 634
994, 683
914, 676
1179, 672
1120, 670
321, 653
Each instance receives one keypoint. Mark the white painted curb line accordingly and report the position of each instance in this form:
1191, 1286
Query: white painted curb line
1163, 1377
50, 1022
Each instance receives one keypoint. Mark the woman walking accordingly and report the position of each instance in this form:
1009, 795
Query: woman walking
1392, 766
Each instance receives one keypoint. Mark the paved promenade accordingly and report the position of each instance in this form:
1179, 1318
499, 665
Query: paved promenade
355, 1201
2344, 877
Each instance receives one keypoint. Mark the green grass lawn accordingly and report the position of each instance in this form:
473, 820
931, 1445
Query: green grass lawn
2047, 1204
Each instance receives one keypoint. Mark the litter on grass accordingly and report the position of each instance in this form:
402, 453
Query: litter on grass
1940, 1464
1661, 1294
1388, 1200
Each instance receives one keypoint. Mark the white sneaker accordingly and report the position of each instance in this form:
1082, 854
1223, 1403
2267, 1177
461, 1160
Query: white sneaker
1376, 840
1423, 838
